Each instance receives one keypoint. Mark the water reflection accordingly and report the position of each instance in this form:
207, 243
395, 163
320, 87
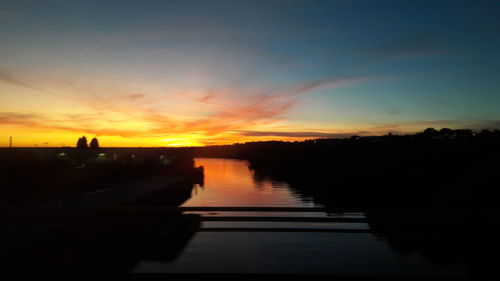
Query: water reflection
464, 238
177, 242
279, 247
295, 253
229, 182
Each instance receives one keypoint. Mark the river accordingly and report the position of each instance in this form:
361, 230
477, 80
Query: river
230, 182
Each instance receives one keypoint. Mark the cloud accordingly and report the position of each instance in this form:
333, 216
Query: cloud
332, 82
73, 123
267, 106
411, 46
220, 128
136, 96
298, 134
7, 77
418, 125
115, 111
404, 47
206, 98
25, 119
224, 110
399, 128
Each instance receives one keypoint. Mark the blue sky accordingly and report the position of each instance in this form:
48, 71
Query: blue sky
214, 69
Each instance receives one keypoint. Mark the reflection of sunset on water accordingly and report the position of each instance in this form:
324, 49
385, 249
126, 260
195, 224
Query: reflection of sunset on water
229, 182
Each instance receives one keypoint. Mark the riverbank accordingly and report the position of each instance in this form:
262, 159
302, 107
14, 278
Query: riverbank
433, 169
105, 227
35, 176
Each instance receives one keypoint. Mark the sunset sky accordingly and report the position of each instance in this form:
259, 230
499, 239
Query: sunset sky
182, 73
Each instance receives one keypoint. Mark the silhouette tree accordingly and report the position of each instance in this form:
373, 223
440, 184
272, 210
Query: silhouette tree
446, 132
430, 132
82, 142
94, 143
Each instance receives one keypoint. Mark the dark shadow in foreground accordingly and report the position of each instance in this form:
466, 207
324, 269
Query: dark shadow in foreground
108, 240
431, 195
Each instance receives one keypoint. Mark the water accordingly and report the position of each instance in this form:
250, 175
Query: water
231, 183
295, 253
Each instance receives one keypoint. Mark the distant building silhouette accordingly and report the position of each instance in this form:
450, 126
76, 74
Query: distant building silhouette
94, 143
82, 142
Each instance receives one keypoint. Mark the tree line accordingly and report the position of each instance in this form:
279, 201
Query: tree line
82, 143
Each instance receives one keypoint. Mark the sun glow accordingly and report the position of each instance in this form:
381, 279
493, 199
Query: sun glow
181, 141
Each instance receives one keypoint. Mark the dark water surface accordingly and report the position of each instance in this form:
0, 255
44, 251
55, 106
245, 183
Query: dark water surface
231, 183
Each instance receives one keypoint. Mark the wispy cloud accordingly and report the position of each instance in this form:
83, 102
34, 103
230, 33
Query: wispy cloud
114, 116
25, 119
298, 134
136, 96
418, 125
10, 78
207, 131
412, 45
256, 109
399, 128
213, 116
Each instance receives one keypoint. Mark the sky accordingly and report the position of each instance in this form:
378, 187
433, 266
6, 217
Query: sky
189, 73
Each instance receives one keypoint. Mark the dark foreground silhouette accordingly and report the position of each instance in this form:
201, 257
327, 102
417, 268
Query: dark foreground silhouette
34, 176
432, 194
111, 241
89, 211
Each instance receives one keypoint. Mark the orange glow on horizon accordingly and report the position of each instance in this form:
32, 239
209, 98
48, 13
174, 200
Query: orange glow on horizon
45, 137
53, 113
64, 139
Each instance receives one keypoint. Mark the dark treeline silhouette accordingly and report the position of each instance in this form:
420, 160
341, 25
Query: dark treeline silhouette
82, 143
94, 143
433, 169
